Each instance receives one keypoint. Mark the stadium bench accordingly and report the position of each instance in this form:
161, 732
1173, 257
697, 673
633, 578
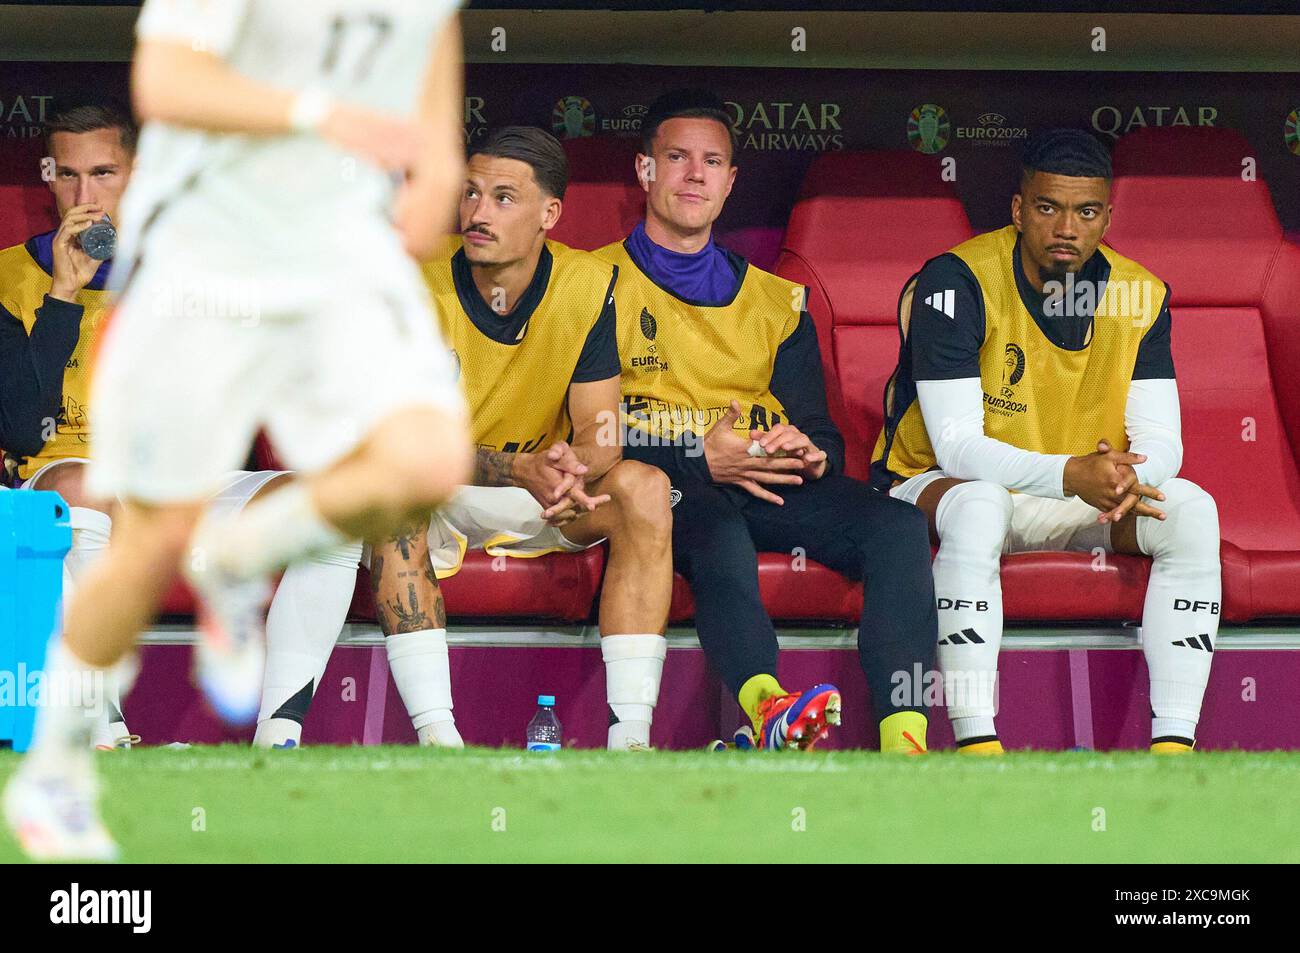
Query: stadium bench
864, 222
1183, 209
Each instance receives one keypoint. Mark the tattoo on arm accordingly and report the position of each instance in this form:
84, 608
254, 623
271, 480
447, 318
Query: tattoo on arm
493, 468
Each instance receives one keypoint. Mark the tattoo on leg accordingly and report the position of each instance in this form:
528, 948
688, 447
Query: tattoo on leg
405, 540
411, 619
376, 572
439, 612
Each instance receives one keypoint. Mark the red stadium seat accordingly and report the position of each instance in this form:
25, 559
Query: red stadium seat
812, 594
559, 587
863, 224
603, 202
1183, 210
178, 601
25, 210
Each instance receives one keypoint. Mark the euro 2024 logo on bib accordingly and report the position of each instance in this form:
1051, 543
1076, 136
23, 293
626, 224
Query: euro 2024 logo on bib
573, 118
1013, 370
1013, 365
1292, 132
928, 128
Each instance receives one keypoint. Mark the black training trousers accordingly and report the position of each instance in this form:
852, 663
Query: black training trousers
718, 530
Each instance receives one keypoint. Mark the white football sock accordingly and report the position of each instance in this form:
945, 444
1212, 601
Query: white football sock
634, 665
972, 519
72, 698
265, 535
421, 669
440, 733
110, 725
1180, 618
91, 530
302, 626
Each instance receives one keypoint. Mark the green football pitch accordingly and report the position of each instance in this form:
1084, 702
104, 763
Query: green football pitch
231, 804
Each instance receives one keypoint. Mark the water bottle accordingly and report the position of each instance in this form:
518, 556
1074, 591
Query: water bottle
544, 729
100, 240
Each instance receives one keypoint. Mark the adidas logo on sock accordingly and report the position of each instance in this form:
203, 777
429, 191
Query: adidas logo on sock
944, 301
964, 637
1191, 642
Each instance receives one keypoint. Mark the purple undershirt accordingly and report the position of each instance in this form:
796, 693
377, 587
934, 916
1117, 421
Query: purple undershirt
706, 276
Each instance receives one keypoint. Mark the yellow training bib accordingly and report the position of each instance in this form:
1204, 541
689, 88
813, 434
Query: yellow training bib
518, 392
23, 287
1037, 396
683, 363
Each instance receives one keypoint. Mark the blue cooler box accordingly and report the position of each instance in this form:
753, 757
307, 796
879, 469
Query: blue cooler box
35, 535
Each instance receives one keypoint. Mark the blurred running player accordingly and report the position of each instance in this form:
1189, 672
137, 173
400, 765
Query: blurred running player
53, 295
260, 278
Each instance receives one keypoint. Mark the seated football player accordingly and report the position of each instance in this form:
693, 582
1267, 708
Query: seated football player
532, 326
1034, 407
52, 308
723, 391
52, 300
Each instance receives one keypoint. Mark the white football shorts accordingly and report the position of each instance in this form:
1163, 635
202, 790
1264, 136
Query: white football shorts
500, 520
1037, 523
184, 380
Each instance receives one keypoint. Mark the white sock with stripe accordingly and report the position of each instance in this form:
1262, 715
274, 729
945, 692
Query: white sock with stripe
1180, 618
972, 519
302, 626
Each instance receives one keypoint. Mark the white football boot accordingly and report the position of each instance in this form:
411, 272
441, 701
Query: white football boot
53, 814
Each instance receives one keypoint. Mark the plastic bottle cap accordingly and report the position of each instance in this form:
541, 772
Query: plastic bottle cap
547, 700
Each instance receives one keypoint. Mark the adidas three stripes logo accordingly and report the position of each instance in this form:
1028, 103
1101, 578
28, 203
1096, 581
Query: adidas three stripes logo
1200, 642
943, 301
964, 637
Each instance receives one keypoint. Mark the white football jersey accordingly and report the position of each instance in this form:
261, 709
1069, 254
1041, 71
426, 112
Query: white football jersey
265, 205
